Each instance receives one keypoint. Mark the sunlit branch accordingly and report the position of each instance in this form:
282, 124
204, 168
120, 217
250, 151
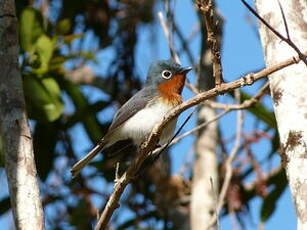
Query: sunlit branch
151, 142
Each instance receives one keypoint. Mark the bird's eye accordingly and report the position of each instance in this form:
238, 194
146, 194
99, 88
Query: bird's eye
166, 74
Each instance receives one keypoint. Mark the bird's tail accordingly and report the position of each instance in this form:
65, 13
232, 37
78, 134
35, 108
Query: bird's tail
76, 168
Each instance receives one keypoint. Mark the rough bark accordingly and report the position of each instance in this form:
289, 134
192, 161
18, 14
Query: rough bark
205, 170
14, 129
289, 93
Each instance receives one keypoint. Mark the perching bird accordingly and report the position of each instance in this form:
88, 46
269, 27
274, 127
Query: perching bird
138, 116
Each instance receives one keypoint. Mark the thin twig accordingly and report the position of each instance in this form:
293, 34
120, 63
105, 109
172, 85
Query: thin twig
152, 141
284, 19
167, 33
206, 6
191, 87
228, 162
245, 104
184, 44
169, 25
249, 187
164, 147
177, 139
255, 164
201, 126
227, 108
283, 38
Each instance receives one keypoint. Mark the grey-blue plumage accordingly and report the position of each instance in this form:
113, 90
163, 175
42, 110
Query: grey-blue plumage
137, 117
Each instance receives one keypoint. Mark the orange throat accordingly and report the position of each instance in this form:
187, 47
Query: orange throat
170, 91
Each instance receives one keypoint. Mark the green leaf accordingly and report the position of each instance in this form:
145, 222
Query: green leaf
43, 98
269, 203
69, 38
44, 141
30, 28
88, 55
260, 111
44, 48
275, 143
57, 62
63, 26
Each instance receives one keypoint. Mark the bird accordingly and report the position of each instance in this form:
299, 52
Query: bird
138, 116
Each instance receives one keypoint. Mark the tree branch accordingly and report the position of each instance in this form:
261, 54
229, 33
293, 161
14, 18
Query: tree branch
168, 36
301, 55
245, 104
227, 108
206, 6
152, 141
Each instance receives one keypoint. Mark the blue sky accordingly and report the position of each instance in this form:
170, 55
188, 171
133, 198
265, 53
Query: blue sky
241, 53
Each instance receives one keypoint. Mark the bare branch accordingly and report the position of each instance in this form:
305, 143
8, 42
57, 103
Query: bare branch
167, 33
284, 19
160, 150
152, 141
227, 108
206, 6
301, 55
252, 186
245, 104
228, 162
191, 87
184, 43
201, 126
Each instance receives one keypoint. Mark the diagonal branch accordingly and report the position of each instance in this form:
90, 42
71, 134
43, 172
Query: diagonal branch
168, 36
245, 104
227, 108
152, 141
284, 19
301, 55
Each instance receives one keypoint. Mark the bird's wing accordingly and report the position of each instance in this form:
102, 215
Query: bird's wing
136, 103
139, 101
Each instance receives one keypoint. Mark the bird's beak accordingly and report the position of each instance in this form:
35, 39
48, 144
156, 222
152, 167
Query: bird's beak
185, 70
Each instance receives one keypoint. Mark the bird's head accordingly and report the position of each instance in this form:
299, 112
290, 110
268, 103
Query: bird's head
167, 75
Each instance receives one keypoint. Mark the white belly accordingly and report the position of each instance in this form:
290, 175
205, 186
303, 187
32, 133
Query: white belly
139, 126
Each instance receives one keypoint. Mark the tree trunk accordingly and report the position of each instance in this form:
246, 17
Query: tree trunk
205, 171
289, 93
203, 198
14, 129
